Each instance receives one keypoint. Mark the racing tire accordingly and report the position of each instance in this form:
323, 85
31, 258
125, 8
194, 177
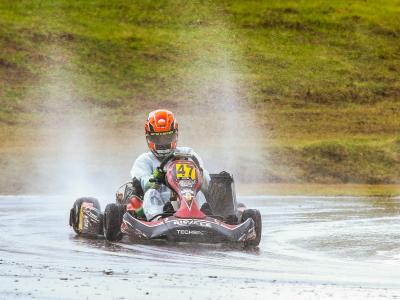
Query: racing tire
112, 220
74, 213
256, 216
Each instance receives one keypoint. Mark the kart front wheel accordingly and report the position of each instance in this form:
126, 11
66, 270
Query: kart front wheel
112, 220
76, 213
256, 216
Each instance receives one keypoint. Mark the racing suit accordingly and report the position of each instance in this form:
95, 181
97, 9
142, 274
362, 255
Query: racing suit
156, 196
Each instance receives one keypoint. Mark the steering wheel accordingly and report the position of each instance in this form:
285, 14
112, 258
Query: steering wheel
176, 156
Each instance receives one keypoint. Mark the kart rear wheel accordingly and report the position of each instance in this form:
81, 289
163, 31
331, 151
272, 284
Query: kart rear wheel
112, 220
256, 216
75, 212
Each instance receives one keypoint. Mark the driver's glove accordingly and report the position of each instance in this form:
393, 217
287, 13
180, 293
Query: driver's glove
159, 175
156, 179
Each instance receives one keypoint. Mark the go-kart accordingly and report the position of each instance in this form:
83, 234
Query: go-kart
226, 221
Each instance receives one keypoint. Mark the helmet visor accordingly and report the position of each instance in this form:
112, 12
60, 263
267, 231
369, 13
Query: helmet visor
162, 138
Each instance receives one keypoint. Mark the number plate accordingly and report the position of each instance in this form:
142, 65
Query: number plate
185, 171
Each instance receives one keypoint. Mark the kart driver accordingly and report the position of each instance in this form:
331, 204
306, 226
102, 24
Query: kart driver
161, 130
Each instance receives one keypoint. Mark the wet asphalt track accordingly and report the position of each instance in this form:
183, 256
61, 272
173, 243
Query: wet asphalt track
312, 248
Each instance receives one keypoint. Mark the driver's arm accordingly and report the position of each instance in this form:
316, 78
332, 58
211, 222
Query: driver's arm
143, 169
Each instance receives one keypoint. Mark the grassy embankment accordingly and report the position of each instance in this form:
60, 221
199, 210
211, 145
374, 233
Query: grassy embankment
322, 76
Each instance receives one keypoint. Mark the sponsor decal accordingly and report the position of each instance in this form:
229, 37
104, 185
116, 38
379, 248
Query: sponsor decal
81, 217
186, 191
189, 232
184, 183
91, 214
126, 229
161, 133
192, 222
126, 222
83, 220
251, 235
140, 233
189, 196
85, 224
123, 227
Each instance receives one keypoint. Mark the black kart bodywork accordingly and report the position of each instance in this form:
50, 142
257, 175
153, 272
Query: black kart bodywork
184, 230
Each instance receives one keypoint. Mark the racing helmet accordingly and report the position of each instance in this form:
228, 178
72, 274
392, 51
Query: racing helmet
161, 130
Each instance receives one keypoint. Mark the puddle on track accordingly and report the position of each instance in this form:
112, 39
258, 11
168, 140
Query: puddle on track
312, 247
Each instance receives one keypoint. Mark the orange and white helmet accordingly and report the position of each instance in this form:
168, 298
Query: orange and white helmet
161, 130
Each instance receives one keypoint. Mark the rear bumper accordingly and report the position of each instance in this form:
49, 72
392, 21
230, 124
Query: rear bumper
188, 230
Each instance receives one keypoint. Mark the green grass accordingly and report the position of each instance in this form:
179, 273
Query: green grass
298, 54
322, 76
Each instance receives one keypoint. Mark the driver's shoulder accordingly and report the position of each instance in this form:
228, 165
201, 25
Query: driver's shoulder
146, 156
184, 150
